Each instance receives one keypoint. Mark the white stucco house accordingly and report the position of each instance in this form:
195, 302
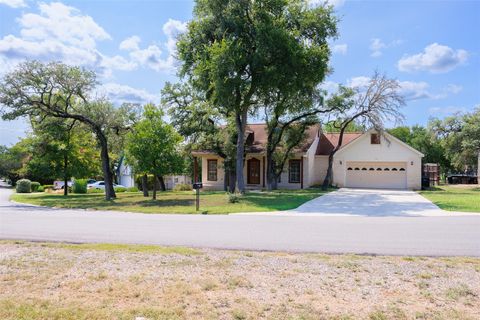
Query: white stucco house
365, 160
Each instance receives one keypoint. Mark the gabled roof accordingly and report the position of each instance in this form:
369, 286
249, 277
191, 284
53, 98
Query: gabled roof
389, 136
328, 141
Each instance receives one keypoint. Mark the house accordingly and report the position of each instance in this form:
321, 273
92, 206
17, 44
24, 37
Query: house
126, 177
365, 160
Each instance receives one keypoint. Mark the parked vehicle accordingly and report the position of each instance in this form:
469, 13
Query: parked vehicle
100, 185
57, 185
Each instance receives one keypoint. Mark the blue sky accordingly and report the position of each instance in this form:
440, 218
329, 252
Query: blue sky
431, 47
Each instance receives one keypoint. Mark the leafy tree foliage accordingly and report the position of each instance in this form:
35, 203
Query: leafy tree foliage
153, 146
460, 137
56, 90
425, 141
236, 51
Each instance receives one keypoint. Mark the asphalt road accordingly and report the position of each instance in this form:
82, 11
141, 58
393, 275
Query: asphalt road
385, 235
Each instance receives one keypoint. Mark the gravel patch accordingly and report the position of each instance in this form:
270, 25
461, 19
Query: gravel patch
218, 284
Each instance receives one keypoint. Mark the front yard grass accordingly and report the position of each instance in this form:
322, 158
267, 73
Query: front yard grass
455, 198
211, 202
105, 281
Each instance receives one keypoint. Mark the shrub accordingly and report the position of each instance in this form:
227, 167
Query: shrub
80, 186
24, 186
132, 189
48, 186
120, 189
234, 197
182, 187
95, 191
40, 189
34, 186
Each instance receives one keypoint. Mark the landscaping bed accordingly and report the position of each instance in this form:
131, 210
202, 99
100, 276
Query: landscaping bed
106, 281
465, 198
177, 201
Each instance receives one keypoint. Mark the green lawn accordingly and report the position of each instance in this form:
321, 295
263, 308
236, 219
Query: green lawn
455, 198
177, 202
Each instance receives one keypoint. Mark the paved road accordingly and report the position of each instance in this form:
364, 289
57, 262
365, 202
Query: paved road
397, 235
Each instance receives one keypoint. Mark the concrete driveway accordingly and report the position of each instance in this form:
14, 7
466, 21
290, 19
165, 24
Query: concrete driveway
399, 234
373, 203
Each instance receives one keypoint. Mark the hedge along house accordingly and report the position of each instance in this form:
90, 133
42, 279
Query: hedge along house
365, 160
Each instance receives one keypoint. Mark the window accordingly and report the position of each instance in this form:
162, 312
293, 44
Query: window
371, 169
374, 138
379, 169
394, 169
349, 168
294, 171
402, 169
364, 169
386, 169
356, 169
212, 170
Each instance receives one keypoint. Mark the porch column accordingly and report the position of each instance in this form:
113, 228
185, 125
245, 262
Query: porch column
263, 171
301, 173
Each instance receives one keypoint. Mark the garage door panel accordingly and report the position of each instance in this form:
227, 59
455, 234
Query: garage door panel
377, 175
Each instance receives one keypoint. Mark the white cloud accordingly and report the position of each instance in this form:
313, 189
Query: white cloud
14, 3
330, 86
377, 46
410, 90
435, 58
335, 3
153, 56
130, 43
340, 48
358, 82
62, 33
445, 111
119, 94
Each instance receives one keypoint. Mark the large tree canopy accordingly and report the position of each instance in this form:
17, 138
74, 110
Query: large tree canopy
237, 51
56, 90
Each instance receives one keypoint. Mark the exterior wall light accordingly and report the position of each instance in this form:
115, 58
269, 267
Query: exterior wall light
411, 163
340, 162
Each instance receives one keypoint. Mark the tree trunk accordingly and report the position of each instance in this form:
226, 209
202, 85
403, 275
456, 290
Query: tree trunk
226, 178
240, 120
270, 172
107, 173
65, 175
154, 197
328, 177
145, 185
232, 179
162, 183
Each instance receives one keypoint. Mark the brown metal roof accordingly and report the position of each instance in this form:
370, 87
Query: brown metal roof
328, 141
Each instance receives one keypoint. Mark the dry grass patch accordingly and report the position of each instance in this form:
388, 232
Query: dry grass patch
98, 281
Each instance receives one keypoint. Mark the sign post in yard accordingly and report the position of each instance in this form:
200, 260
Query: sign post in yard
197, 186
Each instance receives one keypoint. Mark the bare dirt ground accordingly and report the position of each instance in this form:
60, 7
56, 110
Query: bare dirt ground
62, 281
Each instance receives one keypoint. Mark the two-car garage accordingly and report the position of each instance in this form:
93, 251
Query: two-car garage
381, 175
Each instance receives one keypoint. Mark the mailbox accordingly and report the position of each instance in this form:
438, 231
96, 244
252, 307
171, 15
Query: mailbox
197, 185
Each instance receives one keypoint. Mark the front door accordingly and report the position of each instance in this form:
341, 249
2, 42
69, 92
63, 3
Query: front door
253, 171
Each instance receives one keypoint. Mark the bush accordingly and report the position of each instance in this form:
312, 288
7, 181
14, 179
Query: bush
132, 189
48, 186
80, 186
182, 187
34, 186
95, 191
120, 189
41, 189
234, 197
24, 186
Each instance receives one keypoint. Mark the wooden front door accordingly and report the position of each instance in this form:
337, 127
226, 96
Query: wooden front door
253, 171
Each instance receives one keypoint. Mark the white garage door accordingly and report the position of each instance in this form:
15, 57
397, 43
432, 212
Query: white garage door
376, 175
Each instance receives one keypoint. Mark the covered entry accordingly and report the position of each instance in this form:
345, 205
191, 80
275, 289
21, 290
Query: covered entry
377, 175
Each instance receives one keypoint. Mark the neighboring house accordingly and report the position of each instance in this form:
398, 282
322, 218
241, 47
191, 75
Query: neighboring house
126, 177
365, 160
